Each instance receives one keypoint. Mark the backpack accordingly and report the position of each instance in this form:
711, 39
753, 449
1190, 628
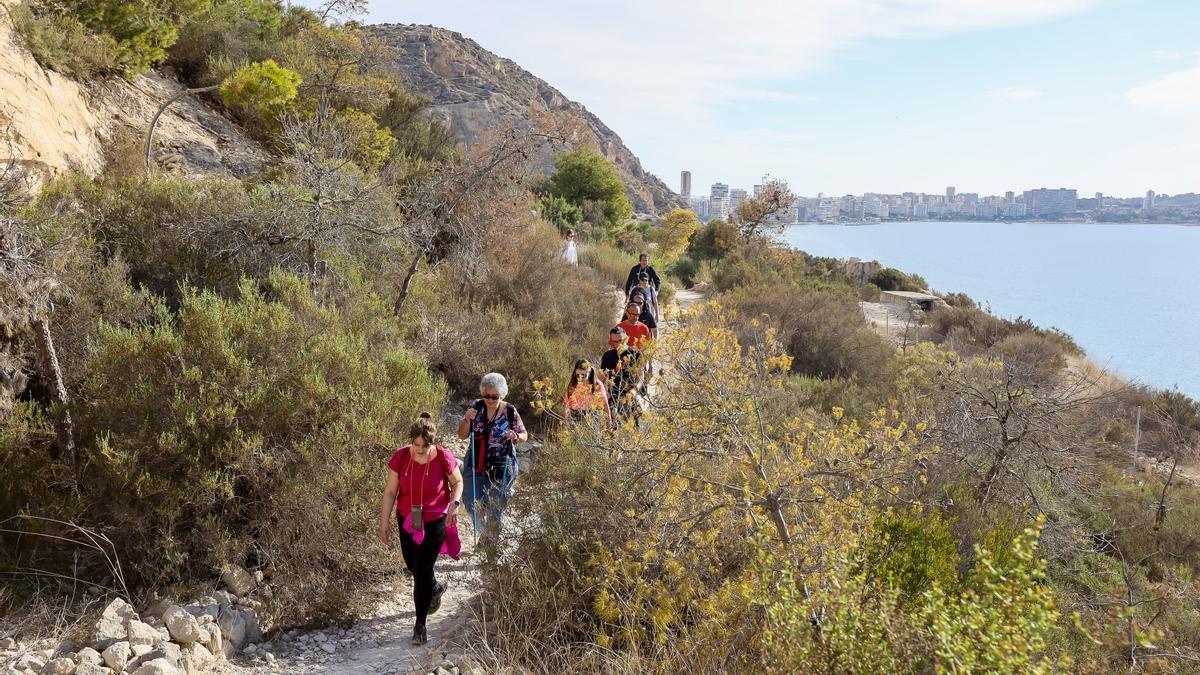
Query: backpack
480, 458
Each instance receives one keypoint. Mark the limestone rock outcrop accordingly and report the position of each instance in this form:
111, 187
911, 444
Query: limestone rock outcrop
52, 124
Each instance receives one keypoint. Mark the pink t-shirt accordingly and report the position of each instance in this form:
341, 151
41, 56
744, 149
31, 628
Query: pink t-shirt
427, 484
581, 398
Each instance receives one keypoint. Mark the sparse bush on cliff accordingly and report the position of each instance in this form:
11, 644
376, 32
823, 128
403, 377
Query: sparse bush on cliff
143, 30
241, 31
891, 279
959, 300
61, 43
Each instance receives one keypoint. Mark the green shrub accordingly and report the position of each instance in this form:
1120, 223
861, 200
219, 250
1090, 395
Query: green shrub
1036, 358
60, 43
262, 87
241, 31
169, 229
251, 431
959, 300
585, 177
686, 269
890, 279
1004, 621
869, 292
912, 554
143, 30
560, 212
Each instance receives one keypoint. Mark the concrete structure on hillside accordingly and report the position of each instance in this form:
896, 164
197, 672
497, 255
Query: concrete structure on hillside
911, 300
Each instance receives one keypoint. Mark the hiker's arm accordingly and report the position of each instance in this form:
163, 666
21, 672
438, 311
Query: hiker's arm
456, 485
388, 503
464, 425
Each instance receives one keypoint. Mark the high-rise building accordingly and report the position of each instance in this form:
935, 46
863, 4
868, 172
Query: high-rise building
685, 184
699, 205
1099, 197
1148, 202
950, 193
718, 207
719, 190
1041, 203
1010, 197
737, 197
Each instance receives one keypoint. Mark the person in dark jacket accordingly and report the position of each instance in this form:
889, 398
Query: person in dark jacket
643, 266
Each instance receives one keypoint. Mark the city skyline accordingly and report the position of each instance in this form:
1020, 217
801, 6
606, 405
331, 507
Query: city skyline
1040, 203
802, 193
842, 97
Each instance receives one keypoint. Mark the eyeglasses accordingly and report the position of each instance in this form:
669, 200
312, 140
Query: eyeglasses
492, 397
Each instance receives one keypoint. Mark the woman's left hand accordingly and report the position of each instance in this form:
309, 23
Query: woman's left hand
452, 518
511, 435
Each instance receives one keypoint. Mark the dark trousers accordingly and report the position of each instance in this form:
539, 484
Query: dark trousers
419, 558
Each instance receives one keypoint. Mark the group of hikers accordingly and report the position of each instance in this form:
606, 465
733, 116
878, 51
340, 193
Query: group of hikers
426, 483
612, 394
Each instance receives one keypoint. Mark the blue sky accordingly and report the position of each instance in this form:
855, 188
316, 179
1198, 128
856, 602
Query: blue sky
842, 96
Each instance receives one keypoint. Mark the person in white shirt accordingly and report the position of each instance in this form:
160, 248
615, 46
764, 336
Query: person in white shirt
570, 254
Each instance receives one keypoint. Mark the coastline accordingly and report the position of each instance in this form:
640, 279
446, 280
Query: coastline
1074, 278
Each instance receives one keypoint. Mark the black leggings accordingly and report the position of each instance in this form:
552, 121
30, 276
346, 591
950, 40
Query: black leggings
419, 558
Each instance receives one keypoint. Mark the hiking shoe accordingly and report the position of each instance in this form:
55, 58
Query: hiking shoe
419, 636
436, 601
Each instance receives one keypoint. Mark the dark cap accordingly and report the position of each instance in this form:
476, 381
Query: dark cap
643, 275
616, 330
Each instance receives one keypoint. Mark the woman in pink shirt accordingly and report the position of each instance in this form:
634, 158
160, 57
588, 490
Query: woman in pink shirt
585, 396
425, 486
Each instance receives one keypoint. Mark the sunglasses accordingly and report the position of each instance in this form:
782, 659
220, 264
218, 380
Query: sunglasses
492, 397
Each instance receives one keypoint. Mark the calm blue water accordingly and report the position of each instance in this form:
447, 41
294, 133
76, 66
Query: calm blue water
1127, 293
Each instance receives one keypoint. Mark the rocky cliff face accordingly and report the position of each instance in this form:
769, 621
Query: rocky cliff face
51, 124
473, 90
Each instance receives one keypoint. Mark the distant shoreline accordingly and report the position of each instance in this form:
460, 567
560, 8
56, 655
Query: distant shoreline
1002, 222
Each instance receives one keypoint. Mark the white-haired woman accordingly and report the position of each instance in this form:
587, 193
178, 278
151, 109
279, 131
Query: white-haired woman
493, 425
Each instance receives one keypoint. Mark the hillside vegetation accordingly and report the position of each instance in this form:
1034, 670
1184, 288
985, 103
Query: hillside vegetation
198, 372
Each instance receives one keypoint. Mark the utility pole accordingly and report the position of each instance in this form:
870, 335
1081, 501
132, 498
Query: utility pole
1137, 438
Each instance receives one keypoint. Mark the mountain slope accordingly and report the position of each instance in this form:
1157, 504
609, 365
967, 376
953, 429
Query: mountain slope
473, 90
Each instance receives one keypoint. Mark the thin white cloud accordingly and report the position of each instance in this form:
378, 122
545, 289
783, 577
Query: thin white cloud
1177, 92
1013, 93
663, 74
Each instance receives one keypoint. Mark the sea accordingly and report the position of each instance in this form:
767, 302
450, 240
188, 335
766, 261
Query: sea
1128, 293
